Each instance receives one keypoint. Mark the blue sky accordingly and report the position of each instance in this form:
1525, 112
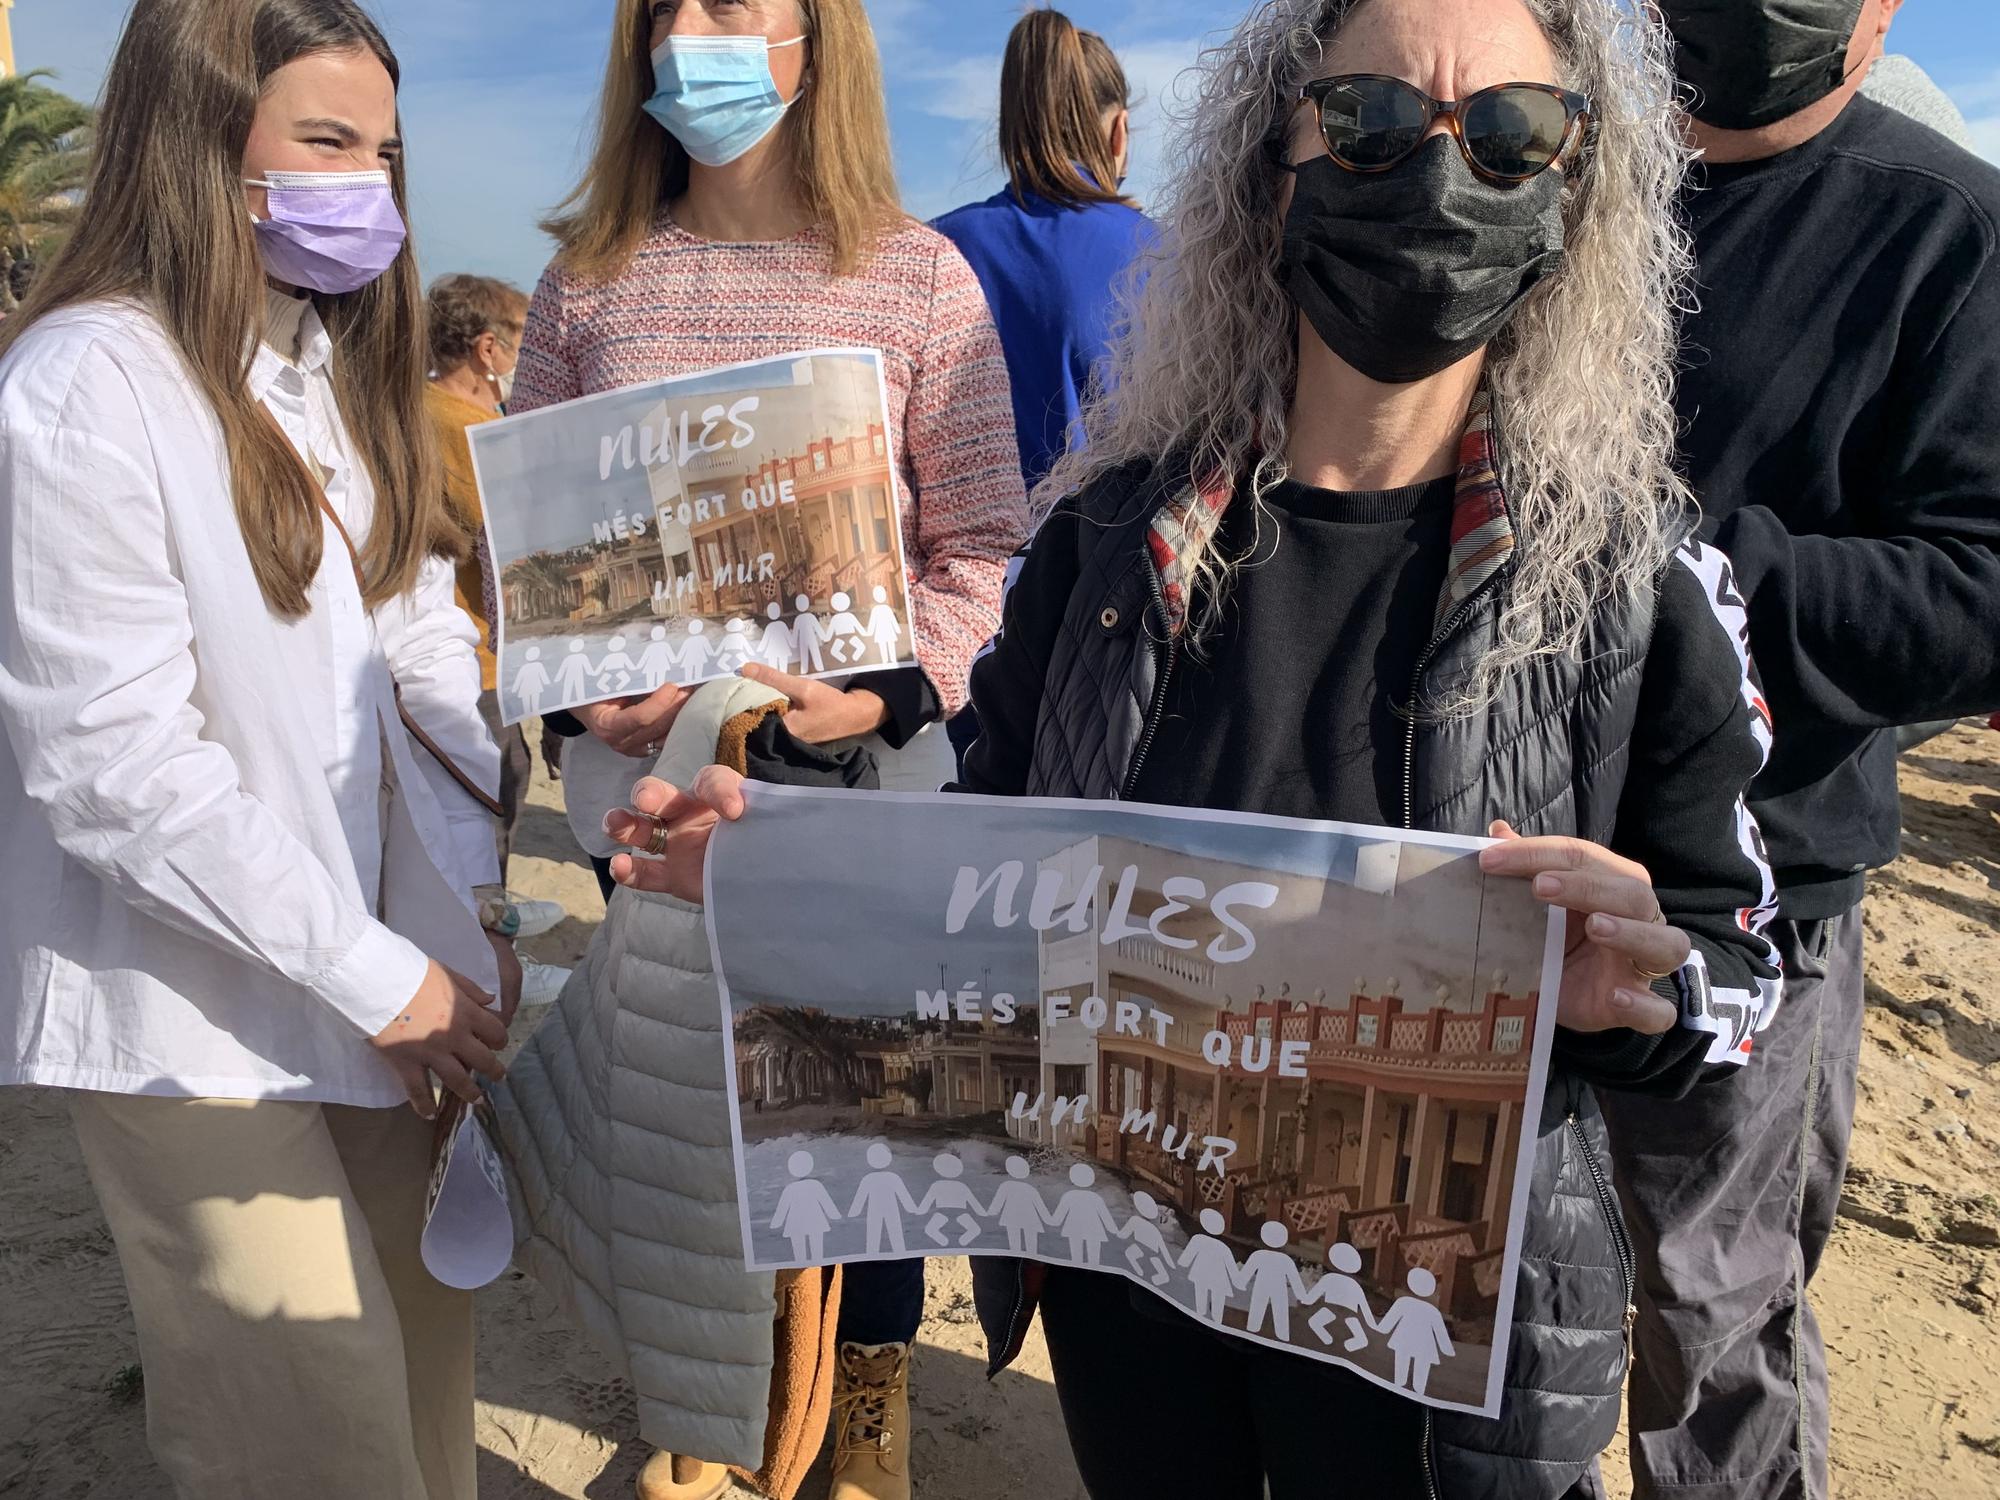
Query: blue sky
498, 94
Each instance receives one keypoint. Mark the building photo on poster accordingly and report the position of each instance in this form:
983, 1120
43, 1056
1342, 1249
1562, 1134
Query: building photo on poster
676, 531
1278, 1073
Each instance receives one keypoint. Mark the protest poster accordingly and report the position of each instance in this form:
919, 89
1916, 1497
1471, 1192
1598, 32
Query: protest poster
1283, 1075
674, 531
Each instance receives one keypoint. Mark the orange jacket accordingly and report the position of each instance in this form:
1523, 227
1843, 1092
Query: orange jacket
452, 415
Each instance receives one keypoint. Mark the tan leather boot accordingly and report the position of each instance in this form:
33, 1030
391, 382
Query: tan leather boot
675, 1476
871, 1415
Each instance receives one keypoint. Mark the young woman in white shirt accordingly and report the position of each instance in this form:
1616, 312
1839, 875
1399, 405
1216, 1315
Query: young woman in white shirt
237, 918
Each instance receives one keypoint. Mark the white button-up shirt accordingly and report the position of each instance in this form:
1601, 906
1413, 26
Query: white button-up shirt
227, 863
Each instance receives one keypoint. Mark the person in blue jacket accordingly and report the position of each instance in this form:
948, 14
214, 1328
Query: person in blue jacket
1057, 246
1052, 248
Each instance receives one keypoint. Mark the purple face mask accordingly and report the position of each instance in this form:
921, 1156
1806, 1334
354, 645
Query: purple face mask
333, 232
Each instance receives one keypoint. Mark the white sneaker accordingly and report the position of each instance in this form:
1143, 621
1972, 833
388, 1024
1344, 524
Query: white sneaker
537, 917
542, 983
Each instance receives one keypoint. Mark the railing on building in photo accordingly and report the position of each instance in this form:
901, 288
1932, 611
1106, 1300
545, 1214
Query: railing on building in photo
835, 534
1444, 1059
1367, 1032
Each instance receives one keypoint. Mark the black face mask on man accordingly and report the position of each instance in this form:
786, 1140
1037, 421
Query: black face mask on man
1404, 273
1752, 63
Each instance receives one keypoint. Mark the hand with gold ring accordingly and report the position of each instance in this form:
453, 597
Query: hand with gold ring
1619, 943
670, 828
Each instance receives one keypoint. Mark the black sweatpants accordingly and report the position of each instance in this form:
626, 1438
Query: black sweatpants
1157, 1405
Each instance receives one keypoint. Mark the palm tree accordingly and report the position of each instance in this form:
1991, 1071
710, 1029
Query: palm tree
44, 156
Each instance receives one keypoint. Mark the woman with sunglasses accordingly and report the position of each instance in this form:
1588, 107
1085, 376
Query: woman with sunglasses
1378, 523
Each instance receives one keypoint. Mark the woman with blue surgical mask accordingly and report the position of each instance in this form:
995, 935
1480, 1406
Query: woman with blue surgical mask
719, 96
244, 784
741, 205
762, 123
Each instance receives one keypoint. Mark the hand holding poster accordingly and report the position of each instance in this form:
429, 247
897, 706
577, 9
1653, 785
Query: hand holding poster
1284, 1075
672, 533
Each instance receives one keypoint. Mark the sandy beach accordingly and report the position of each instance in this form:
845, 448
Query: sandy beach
1907, 1297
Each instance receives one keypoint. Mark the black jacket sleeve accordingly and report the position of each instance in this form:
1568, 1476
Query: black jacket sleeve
1011, 673
774, 753
1702, 734
1008, 677
1900, 623
908, 696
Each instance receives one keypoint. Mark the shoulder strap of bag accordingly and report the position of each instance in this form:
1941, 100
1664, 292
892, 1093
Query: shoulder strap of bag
456, 772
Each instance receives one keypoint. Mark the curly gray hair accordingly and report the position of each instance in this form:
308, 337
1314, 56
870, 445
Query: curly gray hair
1205, 366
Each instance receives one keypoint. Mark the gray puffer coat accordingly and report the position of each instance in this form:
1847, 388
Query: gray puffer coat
614, 1120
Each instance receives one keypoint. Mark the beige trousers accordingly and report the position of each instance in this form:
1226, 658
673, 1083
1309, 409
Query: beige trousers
293, 1343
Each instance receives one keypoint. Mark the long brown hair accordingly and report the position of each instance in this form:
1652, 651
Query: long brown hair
1056, 83
163, 222
838, 130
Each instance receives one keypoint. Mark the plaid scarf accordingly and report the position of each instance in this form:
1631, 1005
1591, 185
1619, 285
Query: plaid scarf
1482, 531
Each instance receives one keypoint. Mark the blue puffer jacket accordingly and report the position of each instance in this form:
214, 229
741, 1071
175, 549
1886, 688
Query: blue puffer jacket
1067, 701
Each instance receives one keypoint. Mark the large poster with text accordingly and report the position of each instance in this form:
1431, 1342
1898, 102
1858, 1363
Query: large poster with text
673, 532
1283, 1075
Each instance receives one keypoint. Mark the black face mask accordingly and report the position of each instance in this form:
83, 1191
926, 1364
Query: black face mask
1406, 272
1754, 62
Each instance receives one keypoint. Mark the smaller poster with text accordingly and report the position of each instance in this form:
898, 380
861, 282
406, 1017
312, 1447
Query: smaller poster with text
676, 531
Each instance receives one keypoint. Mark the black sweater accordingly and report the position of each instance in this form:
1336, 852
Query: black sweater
1293, 706
1841, 402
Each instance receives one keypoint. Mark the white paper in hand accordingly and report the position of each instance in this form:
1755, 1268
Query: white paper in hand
468, 1232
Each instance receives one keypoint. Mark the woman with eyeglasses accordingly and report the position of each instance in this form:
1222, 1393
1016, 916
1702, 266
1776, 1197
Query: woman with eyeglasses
475, 342
1378, 523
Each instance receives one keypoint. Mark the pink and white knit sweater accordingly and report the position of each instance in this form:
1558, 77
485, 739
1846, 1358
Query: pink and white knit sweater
687, 304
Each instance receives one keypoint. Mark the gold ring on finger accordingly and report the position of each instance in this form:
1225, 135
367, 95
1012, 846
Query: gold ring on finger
656, 842
1659, 920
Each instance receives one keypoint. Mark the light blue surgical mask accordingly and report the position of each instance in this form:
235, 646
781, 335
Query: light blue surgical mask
715, 94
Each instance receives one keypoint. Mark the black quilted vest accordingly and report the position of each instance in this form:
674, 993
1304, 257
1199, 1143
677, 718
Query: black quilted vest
1549, 755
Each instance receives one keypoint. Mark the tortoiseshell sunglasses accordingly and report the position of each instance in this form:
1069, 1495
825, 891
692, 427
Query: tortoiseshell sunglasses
1508, 133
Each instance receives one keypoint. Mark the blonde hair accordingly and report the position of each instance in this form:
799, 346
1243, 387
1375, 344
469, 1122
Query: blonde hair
1582, 378
163, 222
838, 132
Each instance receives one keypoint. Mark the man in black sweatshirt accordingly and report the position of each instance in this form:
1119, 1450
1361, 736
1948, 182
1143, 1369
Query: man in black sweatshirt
1841, 405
